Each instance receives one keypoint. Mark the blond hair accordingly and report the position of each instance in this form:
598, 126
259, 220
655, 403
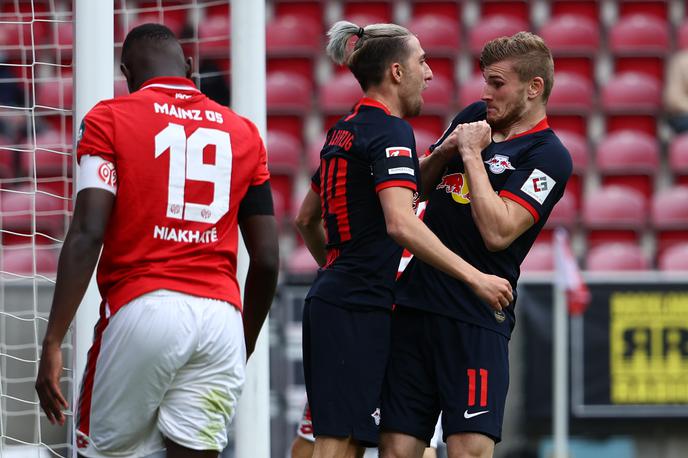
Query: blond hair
530, 56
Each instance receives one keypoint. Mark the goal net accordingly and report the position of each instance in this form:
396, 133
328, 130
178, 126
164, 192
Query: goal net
36, 138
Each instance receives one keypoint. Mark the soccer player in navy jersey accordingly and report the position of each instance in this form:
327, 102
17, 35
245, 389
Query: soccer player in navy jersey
363, 195
492, 180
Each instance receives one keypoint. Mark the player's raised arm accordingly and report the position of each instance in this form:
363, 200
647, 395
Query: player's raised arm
78, 259
410, 232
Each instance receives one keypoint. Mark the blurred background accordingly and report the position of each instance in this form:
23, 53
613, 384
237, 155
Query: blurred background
619, 104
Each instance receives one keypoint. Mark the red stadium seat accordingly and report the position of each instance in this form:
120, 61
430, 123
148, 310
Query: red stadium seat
578, 148
313, 154
655, 8
301, 262
19, 260
540, 258
382, 10
7, 158
492, 27
284, 153
639, 34
632, 101
363, 20
571, 35
424, 139
287, 93
17, 209
54, 93
338, 96
471, 90
628, 158
682, 35
293, 36
674, 258
616, 257
678, 158
614, 213
571, 94
52, 156
571, 123
311, 10
639, 44
670, 217
587, 8
214, 36
518, 9
438, 96
440, 37
448, 8
565, 212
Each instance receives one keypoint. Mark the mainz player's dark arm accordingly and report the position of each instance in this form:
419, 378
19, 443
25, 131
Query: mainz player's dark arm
309, 224
78, 258
260, 237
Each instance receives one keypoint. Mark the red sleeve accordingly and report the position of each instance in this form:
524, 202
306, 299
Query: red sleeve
261, 174
97, 134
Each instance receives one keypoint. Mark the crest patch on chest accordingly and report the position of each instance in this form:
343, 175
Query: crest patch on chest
499, 164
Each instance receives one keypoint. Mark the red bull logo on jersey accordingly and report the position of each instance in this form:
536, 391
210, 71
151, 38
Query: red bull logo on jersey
456, 184
498, 164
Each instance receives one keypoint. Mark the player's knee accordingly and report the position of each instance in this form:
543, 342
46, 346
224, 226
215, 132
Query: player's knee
469, 445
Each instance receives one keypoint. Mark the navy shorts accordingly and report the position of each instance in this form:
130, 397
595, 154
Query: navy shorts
345, 353
441, 364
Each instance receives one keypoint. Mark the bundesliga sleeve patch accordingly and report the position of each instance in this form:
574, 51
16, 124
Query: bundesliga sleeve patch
398, 151
404, 170
538, 185
96, 172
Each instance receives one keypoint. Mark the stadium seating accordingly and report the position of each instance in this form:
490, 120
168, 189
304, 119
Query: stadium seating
301, 262
632, 101
616, 257
586, 8
19, 260
313, 154
628, 158
574, 41
380, 10
540, 258
674, 258
471, 90
678, 158
518, 9
447, 8
338, 96
214, 36
310, 10
682, 35
669, 217
438, 96
613, 214
293, 36
440, 38
17, 214
288, 100
492, 27
656, 8
55, 93
565, 213
639, 43
572, 94
578, 148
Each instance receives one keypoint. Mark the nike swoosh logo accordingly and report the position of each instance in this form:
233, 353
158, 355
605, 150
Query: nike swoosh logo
474, 414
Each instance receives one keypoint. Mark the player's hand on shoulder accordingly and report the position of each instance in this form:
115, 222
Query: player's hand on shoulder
493, 290
473, 137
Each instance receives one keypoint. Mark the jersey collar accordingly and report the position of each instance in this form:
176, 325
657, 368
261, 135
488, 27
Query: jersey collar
170, 82
542, 125
367, 101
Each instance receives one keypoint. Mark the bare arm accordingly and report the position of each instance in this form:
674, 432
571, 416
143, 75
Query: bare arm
260, 237
499, 220
432, 168
309, 224
410, 232
78, 258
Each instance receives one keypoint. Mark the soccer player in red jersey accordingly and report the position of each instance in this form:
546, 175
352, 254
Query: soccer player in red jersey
166, 176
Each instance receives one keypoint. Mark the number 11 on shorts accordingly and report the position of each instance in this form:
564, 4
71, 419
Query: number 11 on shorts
472, 379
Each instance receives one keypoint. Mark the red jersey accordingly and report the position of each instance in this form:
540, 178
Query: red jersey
182, 165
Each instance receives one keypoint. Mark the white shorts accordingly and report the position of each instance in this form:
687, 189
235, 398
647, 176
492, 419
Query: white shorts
305, 428
165, 365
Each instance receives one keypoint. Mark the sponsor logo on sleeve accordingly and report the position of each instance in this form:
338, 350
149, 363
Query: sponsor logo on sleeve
398, 151
538, 185
404, 170
498, 164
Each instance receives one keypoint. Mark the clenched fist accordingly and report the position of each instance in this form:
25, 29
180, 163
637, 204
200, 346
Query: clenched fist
473, 137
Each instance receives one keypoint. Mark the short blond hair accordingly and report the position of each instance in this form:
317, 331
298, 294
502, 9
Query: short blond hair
528, 52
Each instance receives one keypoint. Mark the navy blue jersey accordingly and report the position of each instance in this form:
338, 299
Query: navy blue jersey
365, 152
531, 169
